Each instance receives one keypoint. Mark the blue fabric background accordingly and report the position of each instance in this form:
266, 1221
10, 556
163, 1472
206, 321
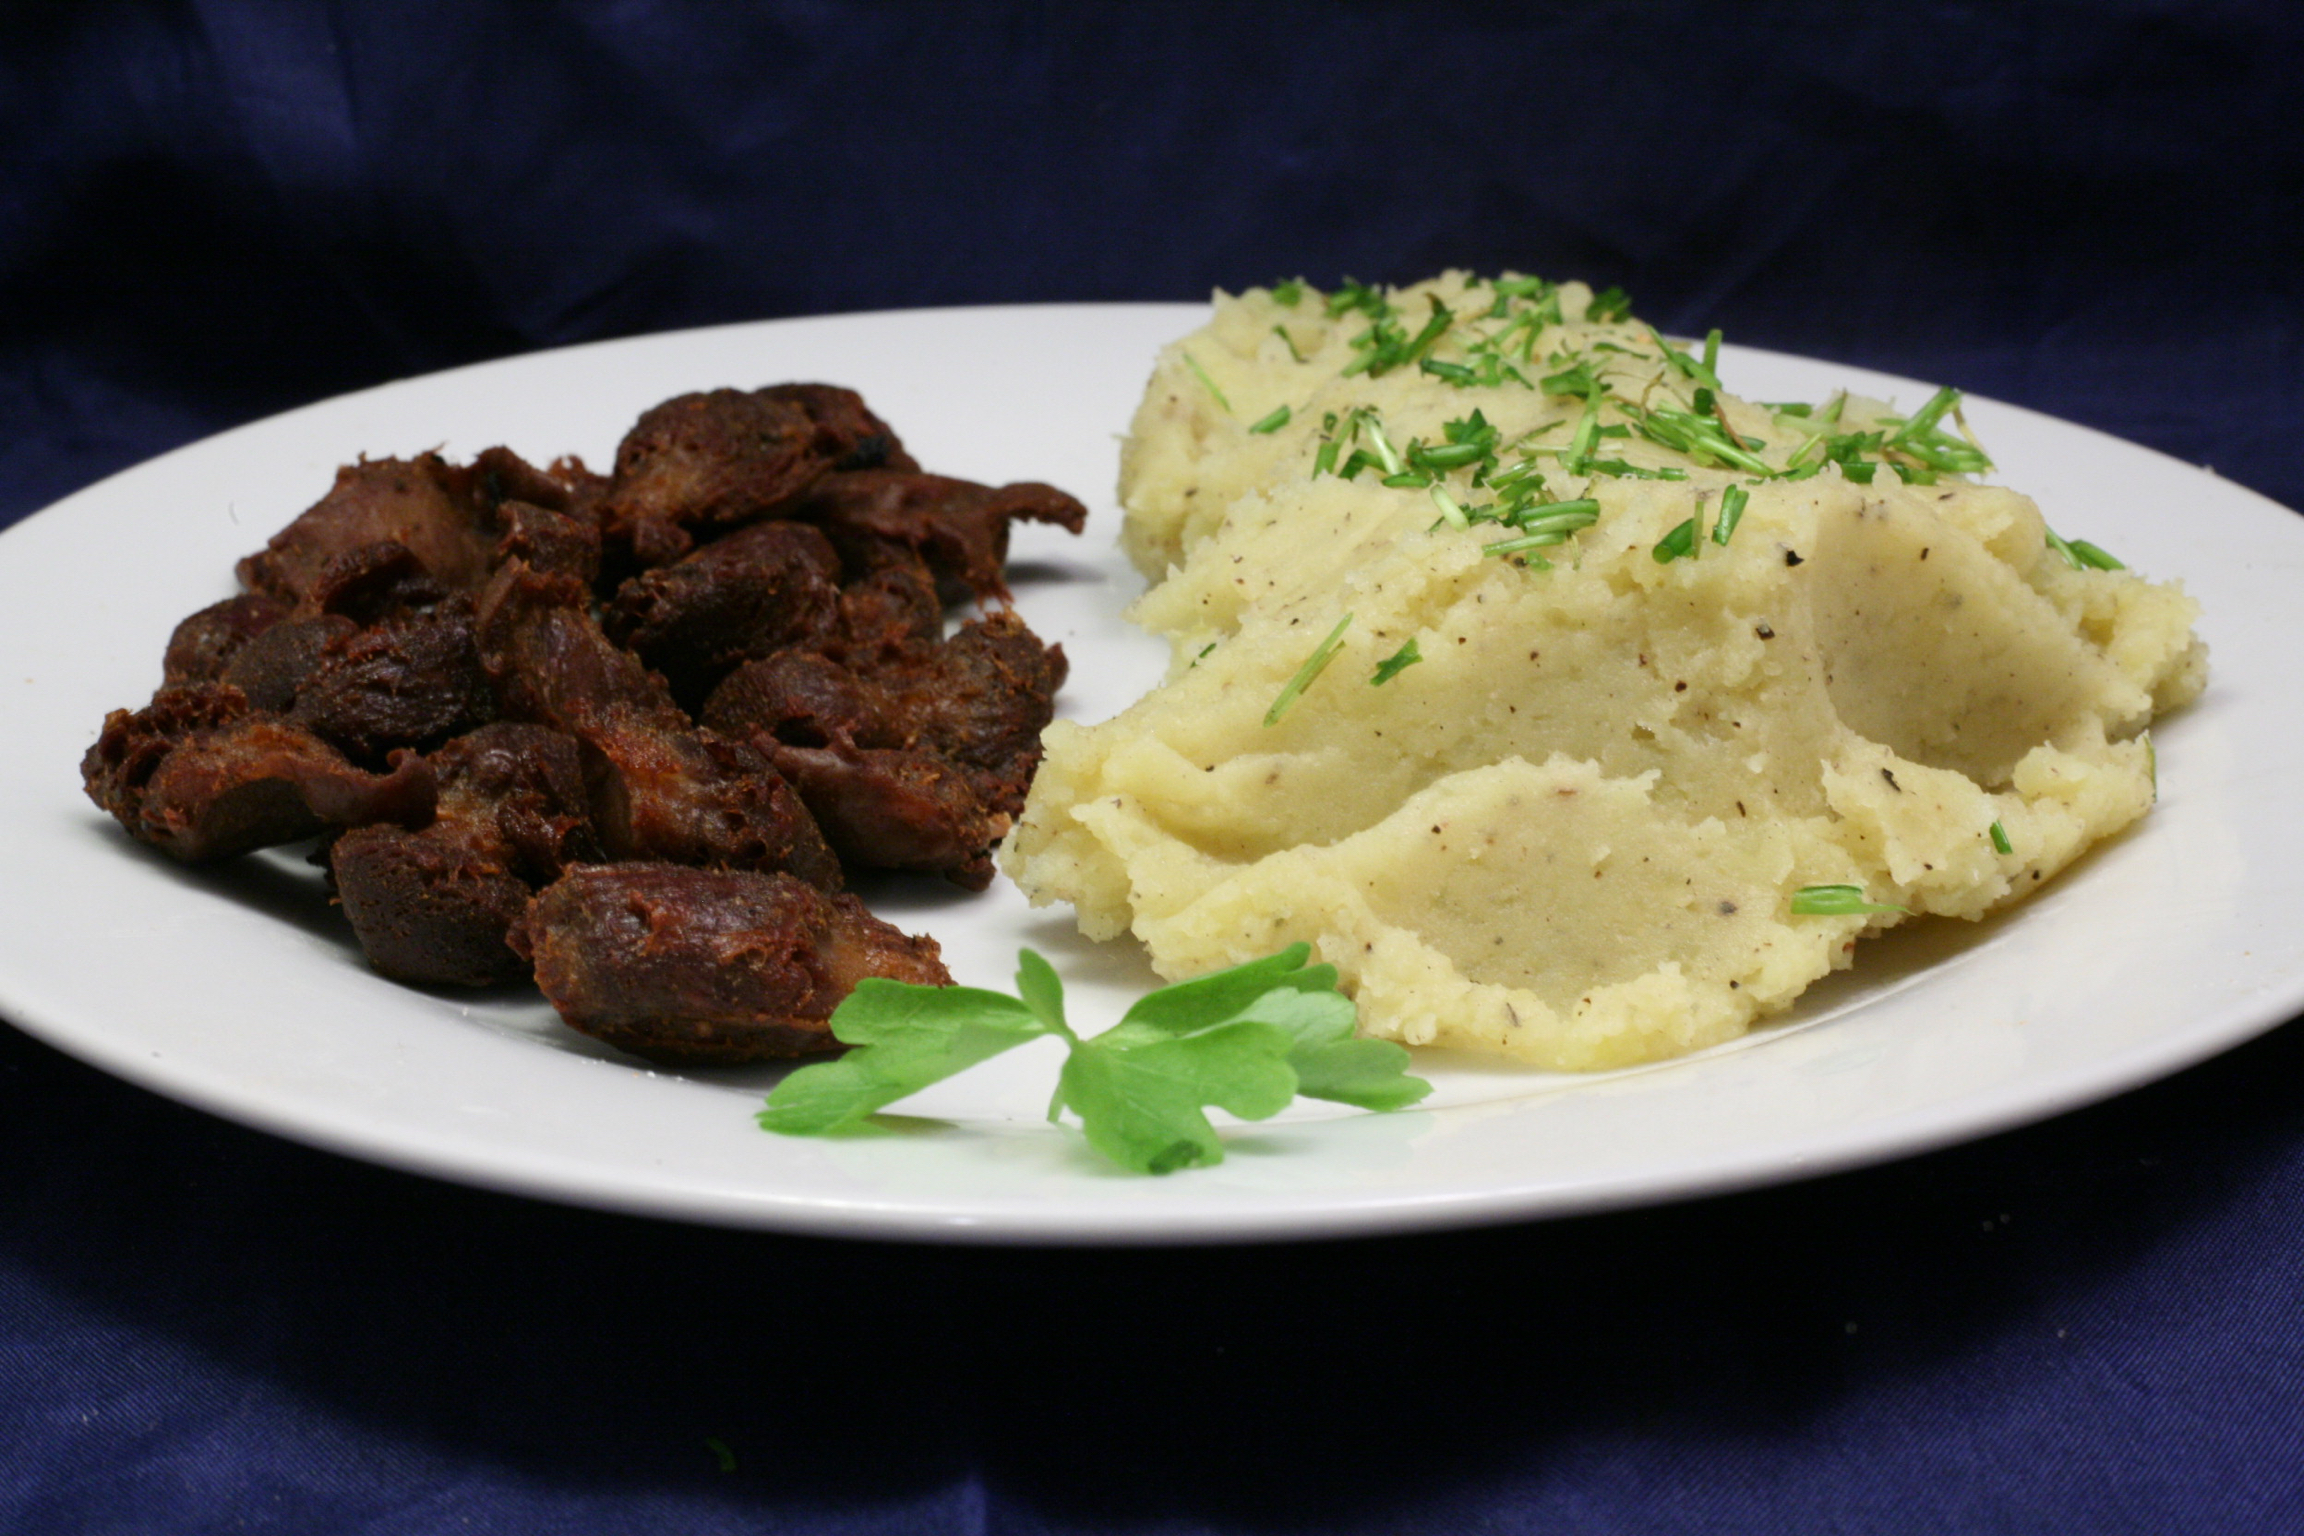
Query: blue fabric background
212, 211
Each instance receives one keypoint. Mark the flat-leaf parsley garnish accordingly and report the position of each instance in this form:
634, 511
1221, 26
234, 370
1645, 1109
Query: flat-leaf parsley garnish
1246, 1040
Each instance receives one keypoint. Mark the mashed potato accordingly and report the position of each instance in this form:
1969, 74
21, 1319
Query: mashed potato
1575, 709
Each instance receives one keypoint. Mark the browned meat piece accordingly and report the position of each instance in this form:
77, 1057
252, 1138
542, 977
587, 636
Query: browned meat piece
550, 661
889, 604
659, 788
274, 667
204, 643
959, 527
802, 699
500, 475
848, 435
703, 967
373, 581
195, 774
694, 798
882, 809
432, 906
422, 504
410, 681
982, 699
727, 457
919, 765
545, 540
751, 594
979, 700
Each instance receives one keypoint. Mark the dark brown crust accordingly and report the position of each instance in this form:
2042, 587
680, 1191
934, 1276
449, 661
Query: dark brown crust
702, 967
474, 682
198, 776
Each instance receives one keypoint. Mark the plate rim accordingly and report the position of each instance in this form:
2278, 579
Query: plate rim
1337, 1216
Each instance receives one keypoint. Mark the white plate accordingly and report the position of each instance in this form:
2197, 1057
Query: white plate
236, 991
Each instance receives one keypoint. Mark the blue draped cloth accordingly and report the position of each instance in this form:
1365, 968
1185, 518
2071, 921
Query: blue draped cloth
212, 211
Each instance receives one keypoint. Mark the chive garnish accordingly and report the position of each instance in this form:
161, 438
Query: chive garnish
1273, 422
1208, 383
1449, 511
1837, 901
1731, 512
1314, 665
2080, 554
2000, 843
1289, 341
1395, 664
1608, 305
1289, 293
1679, 544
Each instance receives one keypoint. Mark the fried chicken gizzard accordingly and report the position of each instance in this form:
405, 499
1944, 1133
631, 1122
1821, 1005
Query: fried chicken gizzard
625, 733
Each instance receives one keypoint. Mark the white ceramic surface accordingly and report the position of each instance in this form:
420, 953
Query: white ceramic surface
238, 992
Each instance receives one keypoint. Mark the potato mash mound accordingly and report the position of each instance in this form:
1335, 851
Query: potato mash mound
1537, 682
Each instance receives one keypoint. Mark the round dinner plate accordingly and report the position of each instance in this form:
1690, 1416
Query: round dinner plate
240, 991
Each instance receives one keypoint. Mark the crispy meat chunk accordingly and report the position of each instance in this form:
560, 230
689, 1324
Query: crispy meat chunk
659, 788
893, 809
919, 765
197, 775
550, 661
411, 681
691, 966
731, 456
888, 604
565, 543
959, 527
979, 700
751, 594
692, 797
423, 505
204, 644
432, 905
272, 668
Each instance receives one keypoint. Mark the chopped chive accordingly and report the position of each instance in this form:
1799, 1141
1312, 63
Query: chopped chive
1386, 455
1281, 331
2080, 554
1519, 548
1288, 294
1314, 665
1837, 901
1685, 365
1787, 408
1629, 471
1324, 461
1609, 304
1202, 654
1712, 351
2000, 843
1448, 508
1454, 373
1273, 422
1201, 374
1731, 512
1395, 664
1587, 438
1679, 544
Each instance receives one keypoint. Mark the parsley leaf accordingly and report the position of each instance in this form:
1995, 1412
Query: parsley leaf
907, 1037
1246, 1041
